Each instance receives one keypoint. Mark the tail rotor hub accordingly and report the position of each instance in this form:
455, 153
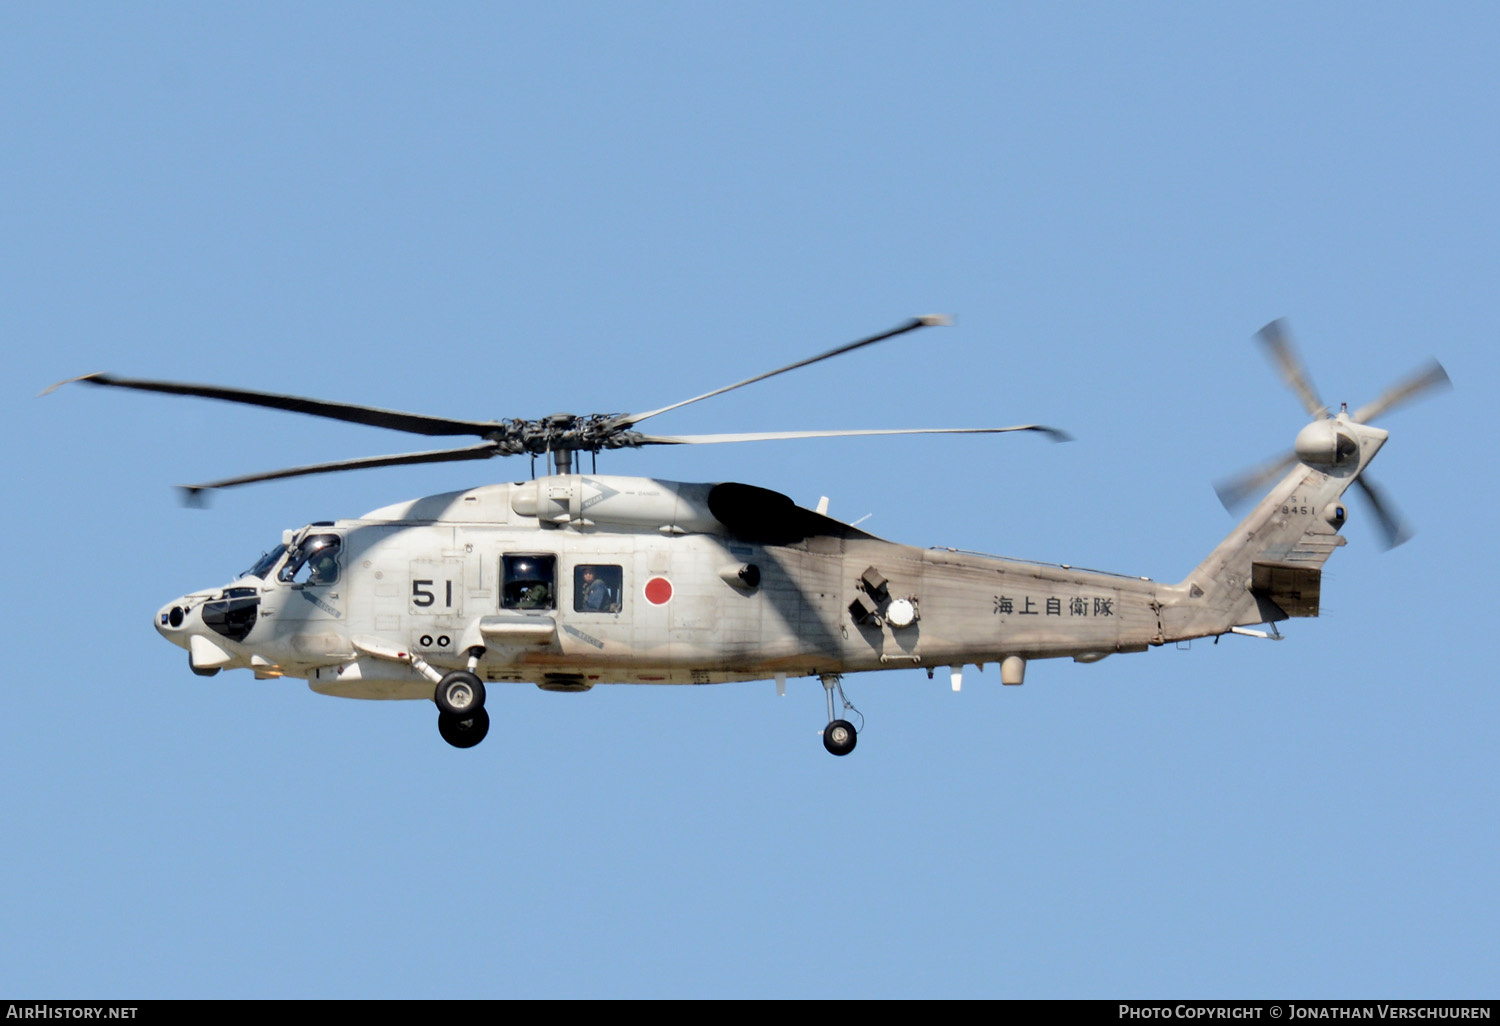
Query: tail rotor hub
1324, 443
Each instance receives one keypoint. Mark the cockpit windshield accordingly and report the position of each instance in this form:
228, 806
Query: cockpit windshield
264, 564
313, 561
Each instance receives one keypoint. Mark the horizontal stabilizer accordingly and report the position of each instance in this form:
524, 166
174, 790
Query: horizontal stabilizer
1294, 589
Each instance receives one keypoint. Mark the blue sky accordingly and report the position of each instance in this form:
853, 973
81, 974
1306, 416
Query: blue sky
509, 210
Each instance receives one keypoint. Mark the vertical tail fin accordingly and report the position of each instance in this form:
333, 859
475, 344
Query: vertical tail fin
1270, 566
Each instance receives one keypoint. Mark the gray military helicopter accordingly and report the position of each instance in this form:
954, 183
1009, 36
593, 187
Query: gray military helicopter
570, 579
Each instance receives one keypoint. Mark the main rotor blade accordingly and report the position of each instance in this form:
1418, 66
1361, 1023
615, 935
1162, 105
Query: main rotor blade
911, 325
1283, 354
772, 436
1234, 491
1429, 377
484, 450
415, 423
1393, 528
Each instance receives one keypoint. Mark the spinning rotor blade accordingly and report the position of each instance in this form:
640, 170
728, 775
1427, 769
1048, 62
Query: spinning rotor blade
415, 423
557, 436
911, 325
1393, 528
484, 450
1425, 379
1234, 491
771, 436
1279, 347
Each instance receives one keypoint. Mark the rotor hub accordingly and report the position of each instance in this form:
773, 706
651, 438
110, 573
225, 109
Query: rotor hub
1324, 443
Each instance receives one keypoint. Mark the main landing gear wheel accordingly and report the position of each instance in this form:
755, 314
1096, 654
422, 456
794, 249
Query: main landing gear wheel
459, 694
464, 731
839, 737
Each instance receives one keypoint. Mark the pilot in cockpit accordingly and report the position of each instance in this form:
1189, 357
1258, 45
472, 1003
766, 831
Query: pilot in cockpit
325, 569
314, 561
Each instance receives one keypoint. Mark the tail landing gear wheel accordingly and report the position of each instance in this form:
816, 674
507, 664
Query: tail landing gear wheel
459, 694
464, 731
839, 737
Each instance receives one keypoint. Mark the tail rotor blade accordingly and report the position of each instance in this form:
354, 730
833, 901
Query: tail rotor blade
1234, 491
1428, 378
1278, 346
1393, 528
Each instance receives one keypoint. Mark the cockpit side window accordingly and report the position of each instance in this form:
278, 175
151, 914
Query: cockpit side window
264, 564
313, 561
530, 582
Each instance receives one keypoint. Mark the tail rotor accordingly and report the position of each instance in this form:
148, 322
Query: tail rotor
1276, 341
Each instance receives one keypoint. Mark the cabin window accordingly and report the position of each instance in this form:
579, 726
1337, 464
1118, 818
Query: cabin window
596, 588
313, 561
530, 582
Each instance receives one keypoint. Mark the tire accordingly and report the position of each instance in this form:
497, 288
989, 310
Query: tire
839, 737
459, 694
464, 731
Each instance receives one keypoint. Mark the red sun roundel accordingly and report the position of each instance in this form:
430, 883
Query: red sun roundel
658, 591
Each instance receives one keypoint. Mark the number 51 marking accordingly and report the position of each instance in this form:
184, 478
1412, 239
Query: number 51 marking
422, 596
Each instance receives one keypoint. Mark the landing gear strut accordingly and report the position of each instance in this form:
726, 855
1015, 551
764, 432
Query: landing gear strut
839, 737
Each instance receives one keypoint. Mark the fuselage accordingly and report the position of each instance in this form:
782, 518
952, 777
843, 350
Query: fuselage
571, 581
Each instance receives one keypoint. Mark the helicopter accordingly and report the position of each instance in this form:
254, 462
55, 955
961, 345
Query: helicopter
571, 579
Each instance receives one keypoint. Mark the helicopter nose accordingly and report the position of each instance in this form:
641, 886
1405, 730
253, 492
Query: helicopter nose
170, 619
